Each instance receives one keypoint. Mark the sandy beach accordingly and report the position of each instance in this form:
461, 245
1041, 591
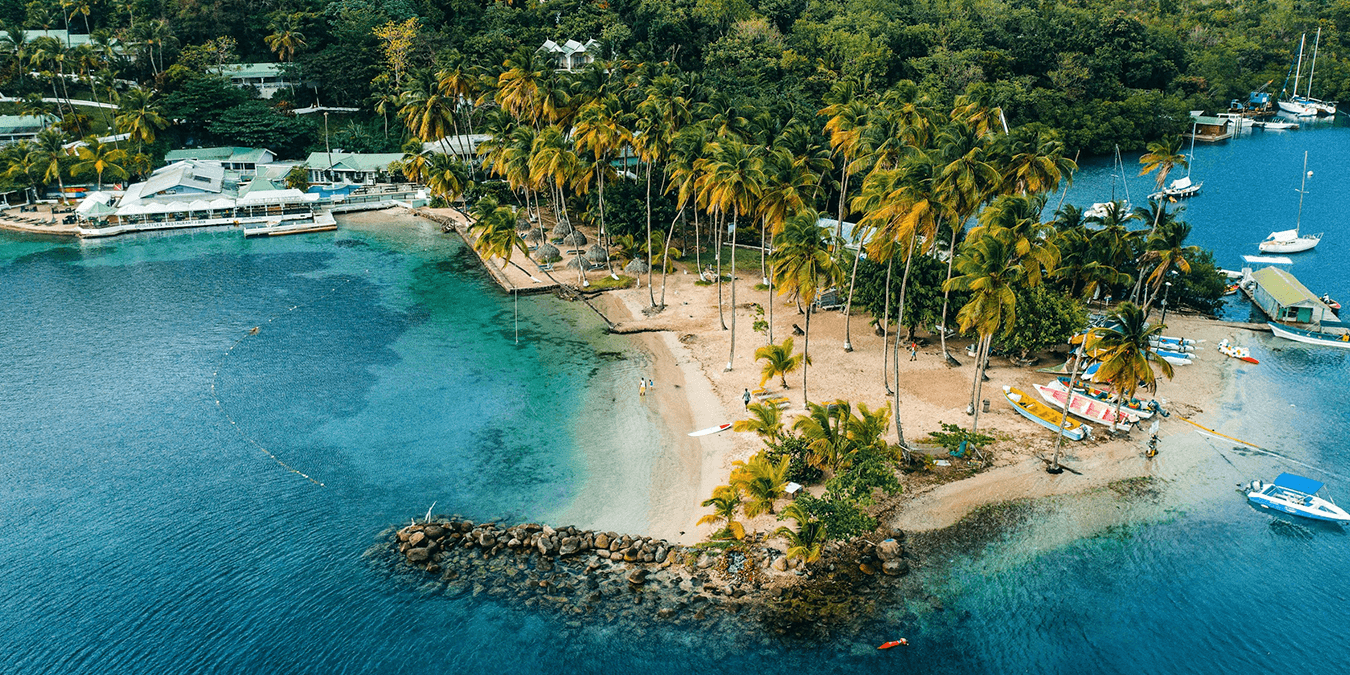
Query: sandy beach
696, 352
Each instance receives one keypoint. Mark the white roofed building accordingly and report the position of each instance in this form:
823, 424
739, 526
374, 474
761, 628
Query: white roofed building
571, 55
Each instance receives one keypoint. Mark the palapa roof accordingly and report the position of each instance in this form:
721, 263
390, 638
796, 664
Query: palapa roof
576, 238
596, 253
636, 266
562, 228
546, 252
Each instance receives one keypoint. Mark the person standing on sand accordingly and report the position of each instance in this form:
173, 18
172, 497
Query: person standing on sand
746, 398
913, 351
642, 386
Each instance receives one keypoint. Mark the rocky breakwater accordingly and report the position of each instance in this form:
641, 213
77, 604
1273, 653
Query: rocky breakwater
587, 576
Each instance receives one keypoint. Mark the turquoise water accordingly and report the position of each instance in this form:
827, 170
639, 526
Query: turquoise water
143, 532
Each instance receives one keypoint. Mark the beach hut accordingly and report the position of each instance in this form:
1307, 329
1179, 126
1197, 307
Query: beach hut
636, 266
596, 253
1209, 129
547, 253
1283, 298
534, 236
577, 262
577, 238
563, 228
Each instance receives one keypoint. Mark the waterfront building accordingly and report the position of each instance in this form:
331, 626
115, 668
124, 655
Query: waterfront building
351, 167
243, 161
1284, 298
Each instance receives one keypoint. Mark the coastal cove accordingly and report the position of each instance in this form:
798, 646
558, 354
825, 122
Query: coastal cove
151, 534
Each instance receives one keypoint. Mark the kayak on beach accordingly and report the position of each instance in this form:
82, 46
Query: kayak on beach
711, 430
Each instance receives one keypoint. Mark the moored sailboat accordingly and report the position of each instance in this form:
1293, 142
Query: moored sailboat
1290, 241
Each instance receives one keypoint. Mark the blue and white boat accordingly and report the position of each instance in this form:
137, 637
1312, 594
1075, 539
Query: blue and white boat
1309, 337
1297, 496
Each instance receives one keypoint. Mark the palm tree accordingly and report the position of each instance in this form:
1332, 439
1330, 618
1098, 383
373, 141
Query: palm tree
100, 158
1167, 251
47, 153
1162, 156
1128, 362
822, 429
779, 360
416, 162
1036, 163
766, 421
802, 264
601, 130
962, 184
428, 112
807, 541
286, 38
990, 270
140, 117
518, 85
733, 178
725, 501
446, 176
495, 232
761, 481
846, 126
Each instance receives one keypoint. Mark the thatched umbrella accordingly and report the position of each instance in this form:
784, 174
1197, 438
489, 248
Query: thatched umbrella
563, 228
546, 253
577, 238
636, 266
523, 223
577, 262
596, 253
535, 235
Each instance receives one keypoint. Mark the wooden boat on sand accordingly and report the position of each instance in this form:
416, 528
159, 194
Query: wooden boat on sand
1089, 409
1045, 416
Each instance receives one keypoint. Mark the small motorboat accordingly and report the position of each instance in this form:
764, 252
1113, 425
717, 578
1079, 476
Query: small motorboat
1231, 289
1329, 302
1297, 496
1085, 407
1310, 337
893, 643
1275, 125
1045, 416
1233, 351
1133, 407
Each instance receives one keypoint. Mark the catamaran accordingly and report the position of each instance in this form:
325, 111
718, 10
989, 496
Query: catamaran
1290, 241
1296, 495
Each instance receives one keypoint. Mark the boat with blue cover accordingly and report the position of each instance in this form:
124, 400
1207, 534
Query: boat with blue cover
1297, 496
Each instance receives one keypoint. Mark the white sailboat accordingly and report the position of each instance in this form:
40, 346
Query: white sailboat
1317, 106
1290, 241
1183, 188
1292, 105
1098, 210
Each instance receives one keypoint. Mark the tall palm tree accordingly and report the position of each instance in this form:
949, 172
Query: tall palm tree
824, 431
725, 500
1167, 251
1036, 164
778, 360
601, 130
100, 158
1128, 362
518, 85
761, 481
847, 122
446, 176
428, 112
1163, 155
733, 179
286, 37
48, 152
495, 232
766, 420
963, 183
140, 117
802, 266
990, 270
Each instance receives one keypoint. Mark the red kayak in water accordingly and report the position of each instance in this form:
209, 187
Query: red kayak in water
893, 643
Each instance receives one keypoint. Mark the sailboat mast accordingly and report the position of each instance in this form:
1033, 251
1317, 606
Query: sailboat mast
1307, 91
1298, 221
1298, 72
1120, 164
1194, 125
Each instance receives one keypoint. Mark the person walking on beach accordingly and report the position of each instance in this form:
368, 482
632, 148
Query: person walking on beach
746, 398
642, 386
913, 351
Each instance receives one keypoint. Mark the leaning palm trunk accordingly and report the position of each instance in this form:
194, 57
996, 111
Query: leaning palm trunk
978, 387
1068, 401
885, 329
946, 295
848, 302
895, 356
603, 239
650, 293
665, 257
771, 281
698, 255
806, 358
720, 316
731, 357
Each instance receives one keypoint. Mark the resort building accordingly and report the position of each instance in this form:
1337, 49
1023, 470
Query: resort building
267, 78
15, 128
571, 55
463, 146
1283, 298
351, 167
244, 161
1207, 128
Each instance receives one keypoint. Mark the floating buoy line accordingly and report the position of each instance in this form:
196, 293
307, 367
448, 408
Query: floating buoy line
215, 375
1206, 431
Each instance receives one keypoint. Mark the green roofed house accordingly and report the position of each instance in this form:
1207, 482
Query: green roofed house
351, 167
15, 128
1283, 298
268, 78
244, 161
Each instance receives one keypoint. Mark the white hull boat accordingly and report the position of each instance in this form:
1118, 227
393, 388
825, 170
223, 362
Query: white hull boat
1289, 241
1296, 496
1276, 126
1134, 408
1086, 408
1181, 188
1307, 337
1297, 109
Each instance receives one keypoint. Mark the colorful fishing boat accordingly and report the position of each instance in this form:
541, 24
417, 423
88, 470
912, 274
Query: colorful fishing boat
1043, 415
1133, 407
1089, 409
1308, 337
1235, 352
1297, 496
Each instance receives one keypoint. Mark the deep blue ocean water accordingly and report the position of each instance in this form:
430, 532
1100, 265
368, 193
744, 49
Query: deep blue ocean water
141, 531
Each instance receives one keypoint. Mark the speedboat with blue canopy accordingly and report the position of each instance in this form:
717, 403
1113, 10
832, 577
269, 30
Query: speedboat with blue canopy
1297, 496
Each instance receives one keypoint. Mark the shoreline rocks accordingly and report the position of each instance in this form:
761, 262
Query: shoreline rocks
598, 577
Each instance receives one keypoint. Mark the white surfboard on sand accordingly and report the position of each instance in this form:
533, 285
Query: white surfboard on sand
711, 430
